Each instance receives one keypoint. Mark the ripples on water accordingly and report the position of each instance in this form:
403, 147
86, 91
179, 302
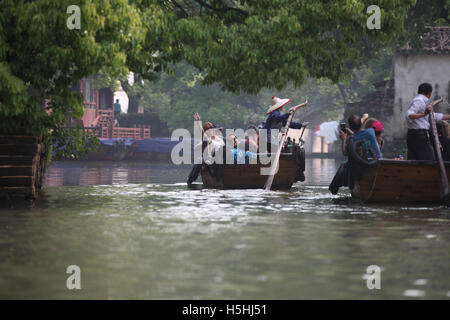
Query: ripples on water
136, 231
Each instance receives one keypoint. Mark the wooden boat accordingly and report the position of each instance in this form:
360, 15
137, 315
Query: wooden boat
248, 176
402, 181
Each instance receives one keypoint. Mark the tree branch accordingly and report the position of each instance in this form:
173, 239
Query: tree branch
176, 4
223, 9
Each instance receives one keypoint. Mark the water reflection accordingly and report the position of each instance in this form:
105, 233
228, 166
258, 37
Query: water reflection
82, 173
142, 234
74, 173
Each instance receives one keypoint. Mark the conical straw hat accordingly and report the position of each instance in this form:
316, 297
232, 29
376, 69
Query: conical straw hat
276, 104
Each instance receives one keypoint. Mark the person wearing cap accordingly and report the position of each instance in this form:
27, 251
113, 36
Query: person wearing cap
377, 126
418, 139
276, 120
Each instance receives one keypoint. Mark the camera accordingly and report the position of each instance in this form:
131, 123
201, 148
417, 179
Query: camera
343, 127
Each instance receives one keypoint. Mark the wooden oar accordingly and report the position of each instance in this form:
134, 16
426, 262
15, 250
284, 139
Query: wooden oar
274, 166
443, 181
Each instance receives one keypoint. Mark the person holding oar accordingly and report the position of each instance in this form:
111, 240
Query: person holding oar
418, 138
276, 120
273, 121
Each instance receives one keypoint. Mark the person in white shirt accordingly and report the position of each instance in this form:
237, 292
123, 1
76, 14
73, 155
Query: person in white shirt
418, 138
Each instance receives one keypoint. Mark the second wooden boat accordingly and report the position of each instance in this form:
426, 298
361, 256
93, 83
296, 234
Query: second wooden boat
402, 181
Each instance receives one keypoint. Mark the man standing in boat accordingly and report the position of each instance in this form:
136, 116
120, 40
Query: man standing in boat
276, 120
418, 138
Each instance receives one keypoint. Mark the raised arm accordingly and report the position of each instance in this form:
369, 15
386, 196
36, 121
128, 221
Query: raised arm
198, 121
299, 106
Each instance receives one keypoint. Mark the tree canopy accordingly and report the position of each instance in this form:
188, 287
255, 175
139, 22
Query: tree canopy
40, 58
244, 45
268, 43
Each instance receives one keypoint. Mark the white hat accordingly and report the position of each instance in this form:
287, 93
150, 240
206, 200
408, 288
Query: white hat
276, 104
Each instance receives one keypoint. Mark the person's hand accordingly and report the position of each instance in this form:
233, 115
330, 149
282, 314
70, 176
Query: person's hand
350, 132
293, 109
427, 110
301, 105
342, 135
196, 116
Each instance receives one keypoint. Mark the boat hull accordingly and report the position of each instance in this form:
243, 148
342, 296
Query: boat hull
248, 176
399, 181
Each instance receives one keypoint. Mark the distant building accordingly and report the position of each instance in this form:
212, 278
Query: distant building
95, 101
411, 68
391, 98
98, 116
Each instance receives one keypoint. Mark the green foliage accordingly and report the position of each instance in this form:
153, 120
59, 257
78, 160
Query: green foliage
73, 143
240, 46
424, 13
378, 57
275, 42
177, 96
41, 58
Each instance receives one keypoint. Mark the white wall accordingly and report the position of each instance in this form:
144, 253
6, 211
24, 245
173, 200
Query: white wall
409, 72
313, 143
123, 99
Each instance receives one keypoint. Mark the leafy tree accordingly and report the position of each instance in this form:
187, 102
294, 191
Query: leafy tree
40, 58
424, 13
239, 46
248, 45
378, 57
174, 97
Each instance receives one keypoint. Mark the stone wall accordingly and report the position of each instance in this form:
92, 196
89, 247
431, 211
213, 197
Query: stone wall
391, 99
409, 72
379, 104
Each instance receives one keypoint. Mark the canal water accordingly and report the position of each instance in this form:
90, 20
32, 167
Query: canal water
137, 232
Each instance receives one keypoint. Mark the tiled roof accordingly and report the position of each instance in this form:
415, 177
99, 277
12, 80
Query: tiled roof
436, 41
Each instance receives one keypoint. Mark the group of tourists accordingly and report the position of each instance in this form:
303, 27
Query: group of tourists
363, 129
241, 151
212, 135
363, 141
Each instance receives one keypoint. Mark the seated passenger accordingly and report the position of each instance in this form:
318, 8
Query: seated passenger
357, 134
237, 150
350, 172
251, 143
377, 126
211, 136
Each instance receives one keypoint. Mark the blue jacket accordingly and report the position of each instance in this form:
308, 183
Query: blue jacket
368, 135
274, 120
